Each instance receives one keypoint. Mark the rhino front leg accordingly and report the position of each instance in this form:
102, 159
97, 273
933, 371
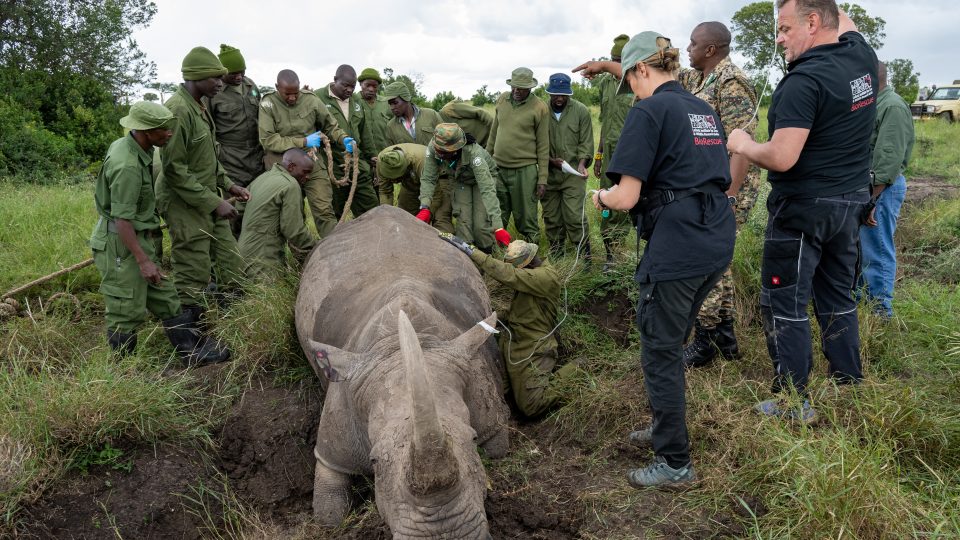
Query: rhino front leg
496, 447
331, 495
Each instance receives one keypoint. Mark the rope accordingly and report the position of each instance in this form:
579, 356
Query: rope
351, 163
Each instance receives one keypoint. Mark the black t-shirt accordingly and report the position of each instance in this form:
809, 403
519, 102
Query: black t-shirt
674, 141
830, 90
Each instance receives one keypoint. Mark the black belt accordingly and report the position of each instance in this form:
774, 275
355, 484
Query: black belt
661, 197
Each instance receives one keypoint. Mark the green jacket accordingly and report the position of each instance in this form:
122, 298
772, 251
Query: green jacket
892, 139
535, 305
234, 112
613, 111
571, 139
472, 120
274, 217
415, 154
191, 173
124, 190
356, 126
520, 134
425, 120
475, 166
283, 126
377, 116
728, 90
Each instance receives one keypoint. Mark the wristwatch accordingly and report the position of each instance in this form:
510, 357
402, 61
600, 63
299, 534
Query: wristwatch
732, 200
600, 200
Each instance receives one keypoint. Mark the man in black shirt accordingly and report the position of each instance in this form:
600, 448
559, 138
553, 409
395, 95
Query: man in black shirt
818, 156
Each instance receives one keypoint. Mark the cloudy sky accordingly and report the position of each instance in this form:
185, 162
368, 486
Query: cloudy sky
458, 46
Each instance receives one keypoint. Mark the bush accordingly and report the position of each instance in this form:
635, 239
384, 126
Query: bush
30, 151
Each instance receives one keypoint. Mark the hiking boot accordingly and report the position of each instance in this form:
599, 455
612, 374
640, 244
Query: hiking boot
642, 437
726, 340
701, 351
122, 344
660, 475
778, 407
193, 347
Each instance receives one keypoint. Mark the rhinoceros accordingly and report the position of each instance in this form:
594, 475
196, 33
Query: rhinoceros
398, 327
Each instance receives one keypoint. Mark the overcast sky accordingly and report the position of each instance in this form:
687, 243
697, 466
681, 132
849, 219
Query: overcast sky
460, 46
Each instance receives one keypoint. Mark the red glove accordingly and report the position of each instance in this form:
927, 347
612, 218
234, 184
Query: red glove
424, 215
502, 236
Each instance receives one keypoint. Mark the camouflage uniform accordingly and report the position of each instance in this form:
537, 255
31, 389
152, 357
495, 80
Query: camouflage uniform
730, 93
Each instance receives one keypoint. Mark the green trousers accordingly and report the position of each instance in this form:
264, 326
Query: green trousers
616, 227
533, 381
564, 216
473, 221
364, 198
199, 243
319, 193
440, 206
128, 297
517, 193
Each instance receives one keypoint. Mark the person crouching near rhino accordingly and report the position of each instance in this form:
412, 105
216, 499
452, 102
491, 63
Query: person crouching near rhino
529, 343
125, 237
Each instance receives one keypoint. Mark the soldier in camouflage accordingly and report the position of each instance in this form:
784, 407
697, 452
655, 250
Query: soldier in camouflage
718, 81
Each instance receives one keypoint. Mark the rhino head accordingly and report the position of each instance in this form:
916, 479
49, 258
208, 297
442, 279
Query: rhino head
417, 403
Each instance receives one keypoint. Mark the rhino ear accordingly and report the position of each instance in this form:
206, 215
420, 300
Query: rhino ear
472, 339
330, 362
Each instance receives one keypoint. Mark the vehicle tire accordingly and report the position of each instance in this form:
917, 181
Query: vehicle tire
946, 115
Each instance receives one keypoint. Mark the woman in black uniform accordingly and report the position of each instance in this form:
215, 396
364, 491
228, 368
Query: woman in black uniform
670, 171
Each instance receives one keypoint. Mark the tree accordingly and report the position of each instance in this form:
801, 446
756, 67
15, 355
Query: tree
441, 99
483, 97
754, 34
150, 96
163, 88
901, 77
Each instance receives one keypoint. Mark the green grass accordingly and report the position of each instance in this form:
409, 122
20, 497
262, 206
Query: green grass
934, 151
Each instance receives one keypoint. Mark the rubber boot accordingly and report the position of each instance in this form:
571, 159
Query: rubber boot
608, 248
726, 340
701, 351
191, 345
122, 344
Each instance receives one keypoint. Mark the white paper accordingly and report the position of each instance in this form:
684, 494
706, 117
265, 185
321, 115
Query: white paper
565, 167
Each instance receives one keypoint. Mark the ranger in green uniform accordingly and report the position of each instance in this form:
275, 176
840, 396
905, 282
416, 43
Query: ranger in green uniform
295, 118
571, 141
234, 112
718, 81
529, 345
403, 164
345, 107
473, 120
475, 177
613, 112
125, 237
190, 185
413, 124
520, 144
275, 217
375, 111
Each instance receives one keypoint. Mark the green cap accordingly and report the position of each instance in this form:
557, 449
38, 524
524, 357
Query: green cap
397, 89
522, 78
231, 59
520, 253
392, 163
200, 64
369, 73
448, 138
145, 115
618, 43
640, 47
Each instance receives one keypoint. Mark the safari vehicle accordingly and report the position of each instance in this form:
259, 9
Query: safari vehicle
943, 103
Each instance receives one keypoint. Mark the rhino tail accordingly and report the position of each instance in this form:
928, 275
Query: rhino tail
432, 467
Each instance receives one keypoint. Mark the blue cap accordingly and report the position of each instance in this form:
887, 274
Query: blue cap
559, 85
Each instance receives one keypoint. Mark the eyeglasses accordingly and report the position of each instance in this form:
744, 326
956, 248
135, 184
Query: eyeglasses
329, 372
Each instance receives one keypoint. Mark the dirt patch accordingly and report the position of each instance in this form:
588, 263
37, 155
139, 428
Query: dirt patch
923, 189
150, 501
614, 312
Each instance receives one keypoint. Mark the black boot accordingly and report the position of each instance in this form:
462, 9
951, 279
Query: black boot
701, 351
608, 248
122, 344
587, 256
191, 345
726, 340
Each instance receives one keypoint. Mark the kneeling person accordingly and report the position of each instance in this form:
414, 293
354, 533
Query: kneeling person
529, 347
125, 239
275, 217
403, 164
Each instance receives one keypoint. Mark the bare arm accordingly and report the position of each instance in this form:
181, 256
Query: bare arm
595, 67
623, 196
738, 173
778, 154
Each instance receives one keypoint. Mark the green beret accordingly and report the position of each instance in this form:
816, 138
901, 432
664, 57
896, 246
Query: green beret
392, 163
397, 89
231, 59
200, 64
145, 115
618, 43
369, 73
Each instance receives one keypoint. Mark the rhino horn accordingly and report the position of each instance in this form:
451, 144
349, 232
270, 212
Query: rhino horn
472, 339
432, 466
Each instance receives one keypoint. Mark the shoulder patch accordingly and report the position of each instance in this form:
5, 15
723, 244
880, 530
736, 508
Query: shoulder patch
356, 107
477, 161
266, 104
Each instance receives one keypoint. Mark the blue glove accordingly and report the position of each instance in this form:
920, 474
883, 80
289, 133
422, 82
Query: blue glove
348, 144
314, 140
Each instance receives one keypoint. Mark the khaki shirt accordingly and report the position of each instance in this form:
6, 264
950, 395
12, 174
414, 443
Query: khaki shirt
124, 189
378, 116
520, 135
426, 120
355, 126
234, 112
571, 139
475, 167
472, 120
613, 112
283, 127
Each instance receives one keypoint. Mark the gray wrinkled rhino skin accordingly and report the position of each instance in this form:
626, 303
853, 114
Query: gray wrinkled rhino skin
412, 379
